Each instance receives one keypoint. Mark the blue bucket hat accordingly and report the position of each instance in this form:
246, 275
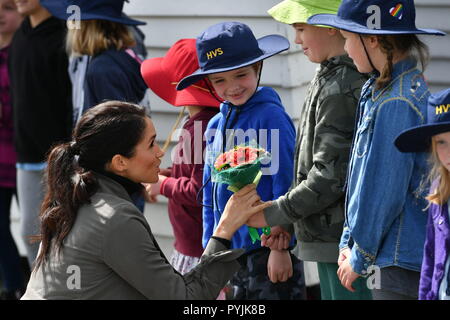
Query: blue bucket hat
418, 139
110, 10
374, 17
231, 45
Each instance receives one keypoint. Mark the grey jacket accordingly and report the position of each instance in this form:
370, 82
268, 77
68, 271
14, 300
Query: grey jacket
111, 253
315, 203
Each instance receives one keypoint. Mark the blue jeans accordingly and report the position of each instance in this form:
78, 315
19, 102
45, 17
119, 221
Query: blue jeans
10, 266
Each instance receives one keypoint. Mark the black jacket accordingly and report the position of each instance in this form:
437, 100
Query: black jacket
40, 89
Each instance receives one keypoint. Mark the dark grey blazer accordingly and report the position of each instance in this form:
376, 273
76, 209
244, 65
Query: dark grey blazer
111, 253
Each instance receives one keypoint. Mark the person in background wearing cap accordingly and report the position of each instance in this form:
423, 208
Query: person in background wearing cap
10, 266
113, 68
434, 136
316, 202
384, 231
183, 181
230, 58
41, 103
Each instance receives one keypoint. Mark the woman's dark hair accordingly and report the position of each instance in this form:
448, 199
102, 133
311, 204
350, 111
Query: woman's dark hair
108, 129
406, 43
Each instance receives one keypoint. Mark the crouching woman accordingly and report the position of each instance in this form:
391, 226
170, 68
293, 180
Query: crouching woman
95, 244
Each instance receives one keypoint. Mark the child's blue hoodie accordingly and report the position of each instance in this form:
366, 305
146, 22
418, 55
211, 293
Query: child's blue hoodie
262, 111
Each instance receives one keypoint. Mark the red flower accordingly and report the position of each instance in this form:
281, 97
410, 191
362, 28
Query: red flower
236, 157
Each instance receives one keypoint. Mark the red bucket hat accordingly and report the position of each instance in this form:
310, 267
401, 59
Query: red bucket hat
163, 74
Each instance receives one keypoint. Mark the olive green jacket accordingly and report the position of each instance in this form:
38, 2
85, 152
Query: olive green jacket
315, 203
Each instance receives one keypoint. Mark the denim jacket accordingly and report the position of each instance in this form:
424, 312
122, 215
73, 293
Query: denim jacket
385, 222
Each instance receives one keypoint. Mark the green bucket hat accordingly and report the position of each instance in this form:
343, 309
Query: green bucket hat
298, 11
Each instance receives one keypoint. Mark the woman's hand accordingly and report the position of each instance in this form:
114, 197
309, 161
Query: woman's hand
238, 210
279, 266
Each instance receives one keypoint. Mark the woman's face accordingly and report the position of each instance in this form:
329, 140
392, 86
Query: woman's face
442, 143
143, 166
355, 50
236, 86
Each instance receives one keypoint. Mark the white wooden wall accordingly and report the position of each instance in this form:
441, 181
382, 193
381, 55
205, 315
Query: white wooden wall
289, 73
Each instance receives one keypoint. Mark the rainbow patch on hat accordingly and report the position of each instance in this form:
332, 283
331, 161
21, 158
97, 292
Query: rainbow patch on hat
397, 11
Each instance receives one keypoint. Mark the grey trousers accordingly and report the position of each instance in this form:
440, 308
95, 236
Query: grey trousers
30, 192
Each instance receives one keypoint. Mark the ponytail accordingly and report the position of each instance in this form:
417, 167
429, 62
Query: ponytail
404, 44
68, 186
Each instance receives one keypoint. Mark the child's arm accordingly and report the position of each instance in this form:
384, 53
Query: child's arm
279, 266
208, 212
184, 190
324, 183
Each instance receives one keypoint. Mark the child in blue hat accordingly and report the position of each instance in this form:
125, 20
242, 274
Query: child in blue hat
385, 224
230, 58
434, 136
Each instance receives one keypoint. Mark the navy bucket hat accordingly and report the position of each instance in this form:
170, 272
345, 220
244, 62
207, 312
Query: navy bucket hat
418, 139
374, 17
110, 10
231, 45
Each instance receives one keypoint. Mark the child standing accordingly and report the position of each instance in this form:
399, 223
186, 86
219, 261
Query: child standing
41, 103
184, 179
113, 70
316, 202
231, 58
385, 224
434, 277
10, 268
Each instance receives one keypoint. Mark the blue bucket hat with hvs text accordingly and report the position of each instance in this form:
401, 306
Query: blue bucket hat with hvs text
231, 45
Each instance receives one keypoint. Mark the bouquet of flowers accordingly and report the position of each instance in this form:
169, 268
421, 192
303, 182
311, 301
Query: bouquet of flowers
239, 167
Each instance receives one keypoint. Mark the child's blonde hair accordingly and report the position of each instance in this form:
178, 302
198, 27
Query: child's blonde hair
96, 36
441, 193
404, 44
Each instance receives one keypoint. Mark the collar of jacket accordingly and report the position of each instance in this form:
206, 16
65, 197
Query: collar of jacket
124, 187
332, 63
400, 69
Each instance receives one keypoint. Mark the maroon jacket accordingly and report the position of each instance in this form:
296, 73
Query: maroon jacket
185, 181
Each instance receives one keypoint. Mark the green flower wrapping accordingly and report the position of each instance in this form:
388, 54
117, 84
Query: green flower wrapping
239, 167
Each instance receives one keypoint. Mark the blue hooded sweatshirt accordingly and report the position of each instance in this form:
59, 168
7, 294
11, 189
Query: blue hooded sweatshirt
263, 119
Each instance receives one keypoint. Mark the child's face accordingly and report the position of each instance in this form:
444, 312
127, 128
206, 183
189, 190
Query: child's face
9, 17
27, 7
355, 50
442, 142
315, 41
235, 86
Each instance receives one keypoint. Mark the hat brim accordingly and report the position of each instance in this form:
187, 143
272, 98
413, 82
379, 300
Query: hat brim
291, 12
350, 26
58, 9
270, 45
156, 79
418, 139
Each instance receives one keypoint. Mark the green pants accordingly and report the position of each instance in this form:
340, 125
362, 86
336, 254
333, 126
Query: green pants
332, 289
